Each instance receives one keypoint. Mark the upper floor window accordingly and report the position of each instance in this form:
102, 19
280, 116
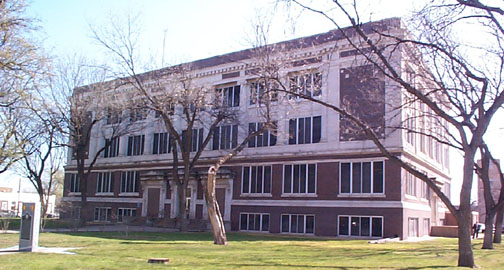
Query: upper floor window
138, 114
307, 84
104, 182
136, 145
111, 147
266, 138
113, 116
225, 137
195, 141
424, 190
410, 184
229, 96
256, 179
169, 109
161, 143
305, 130
361, 177
129, 181
74, 183
299, 178
260, 94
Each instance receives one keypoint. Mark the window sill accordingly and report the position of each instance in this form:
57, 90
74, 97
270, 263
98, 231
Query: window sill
260, 195
129, 194
411, 197
361, 195
297, 195
104, 194
74, 193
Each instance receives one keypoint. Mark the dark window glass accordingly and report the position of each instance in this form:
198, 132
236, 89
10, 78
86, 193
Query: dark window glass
365, 222
378, 177
265, 223
311, 178
267, 179
310, 224
287, 178
356, 177
301, 131
355, 226
366, 177
246, 175
243, 221
252, 128
295, 188
376, 227
302, 179
317, 129
294, 223
285, 223
343, 225
345, 177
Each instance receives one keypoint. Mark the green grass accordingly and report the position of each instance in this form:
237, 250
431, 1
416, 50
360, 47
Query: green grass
50, 223
196, 251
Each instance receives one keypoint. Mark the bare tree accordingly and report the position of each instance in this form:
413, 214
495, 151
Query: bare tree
456, 89
23, 65
86, 113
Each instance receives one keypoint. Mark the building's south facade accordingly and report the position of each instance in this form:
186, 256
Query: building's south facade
316, 175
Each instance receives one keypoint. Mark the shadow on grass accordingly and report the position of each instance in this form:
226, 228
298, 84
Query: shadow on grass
308, 266
192, 236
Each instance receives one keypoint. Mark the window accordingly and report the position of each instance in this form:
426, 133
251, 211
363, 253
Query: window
161, 143
196, 140
229, 96
74, 183
129, 181
111, 147
102, 214
423, 128
136, 145
426, 226
267, 138
366, 226
254, 222
412, 227
104, 182
309, 84
225, 137
410, 184
305, 130
125, 212
361, 177
410, 127
424, 190
256, 179
299, 178
138, 114
113, 116
169, 108
260, 95
4, 205
298, 224
75, 212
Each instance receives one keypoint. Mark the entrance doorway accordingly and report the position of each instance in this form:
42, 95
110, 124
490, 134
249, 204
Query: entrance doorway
153, 196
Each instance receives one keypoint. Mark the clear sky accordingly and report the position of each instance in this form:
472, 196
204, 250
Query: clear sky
190, 30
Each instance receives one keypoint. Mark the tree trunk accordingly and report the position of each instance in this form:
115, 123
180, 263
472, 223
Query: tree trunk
498, 225
487, 241
466, 256
214, 214
182, 222
83, 189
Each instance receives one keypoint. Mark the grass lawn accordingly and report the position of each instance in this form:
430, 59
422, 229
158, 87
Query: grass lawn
196, 251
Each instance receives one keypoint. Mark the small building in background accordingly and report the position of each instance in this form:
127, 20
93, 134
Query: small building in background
11, 202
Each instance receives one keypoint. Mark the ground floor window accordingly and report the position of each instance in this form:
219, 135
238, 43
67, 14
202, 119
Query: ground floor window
298, 224
102, 214
254, 222
75, 212
366, 226
426, 225
412, 227
125, 212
